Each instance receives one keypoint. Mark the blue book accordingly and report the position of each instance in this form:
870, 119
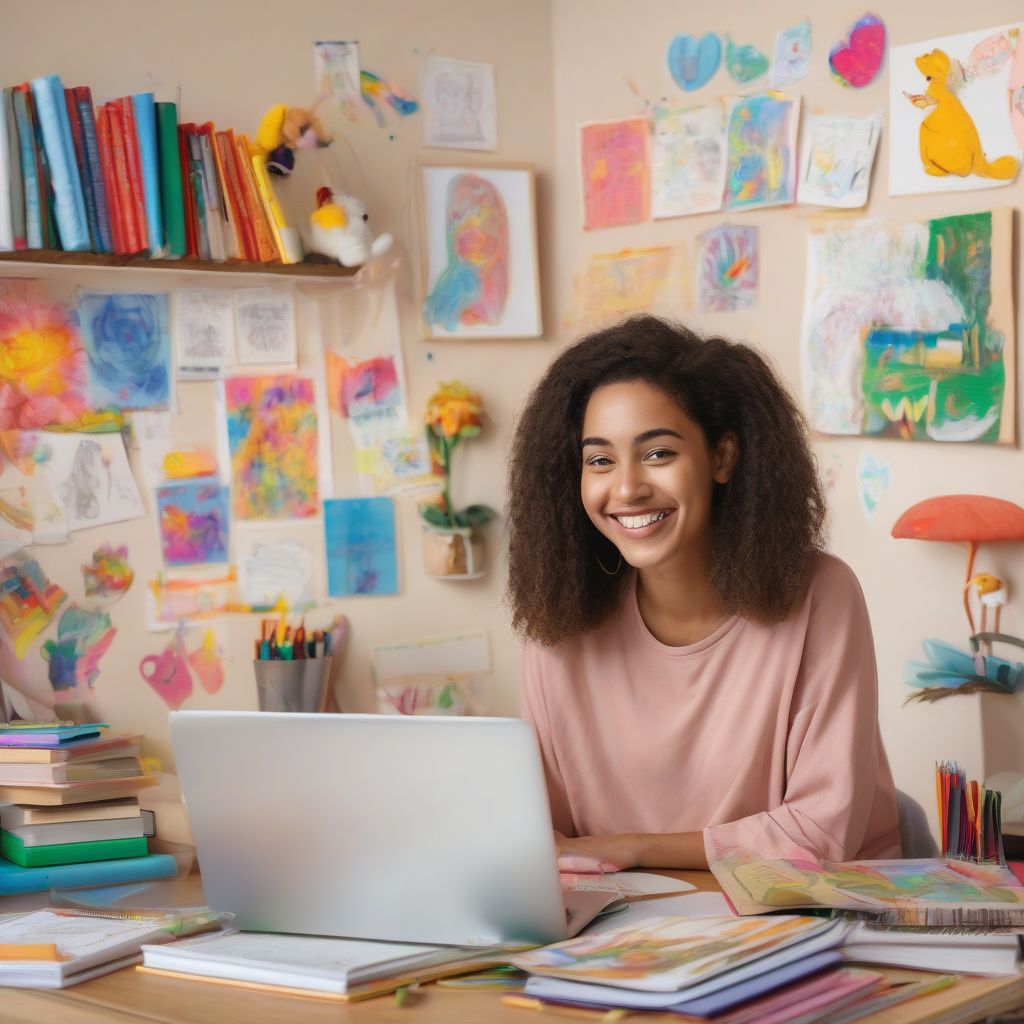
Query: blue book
68, 200
15, 879
97, 187
145, 130
48, 736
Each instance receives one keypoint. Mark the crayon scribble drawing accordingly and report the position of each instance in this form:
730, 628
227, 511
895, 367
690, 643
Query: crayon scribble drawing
204, 318
265, 319
90, 478
908, 329
474, 285
127, 341
360, 542
193, 519
83, 637
269, 570
42, 362
616, 284
459, 105
762, 163
109, 575
727, 269
28, 602
687, 161
835, 165
273, 446
616, 170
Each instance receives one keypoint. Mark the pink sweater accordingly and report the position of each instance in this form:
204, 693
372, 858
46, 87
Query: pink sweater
764, 737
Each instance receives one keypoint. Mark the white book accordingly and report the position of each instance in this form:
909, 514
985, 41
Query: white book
6, 223
79, 831
311, 962
58, 774
90, 945
14, 815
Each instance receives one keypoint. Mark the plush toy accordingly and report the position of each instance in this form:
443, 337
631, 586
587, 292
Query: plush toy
285, 129
338, 228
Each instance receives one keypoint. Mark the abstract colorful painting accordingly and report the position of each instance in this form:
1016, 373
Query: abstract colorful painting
173, 601
480, 252
127, 341
835, 163
744, 62
687, 161
363, 387
193, 518
273, 446
727, 269
792, 55
391, 456
617, 284
83, 637
952, 108
42, 362
615, 166
28, 601
109, 575
359, 537
761, 169
908, 329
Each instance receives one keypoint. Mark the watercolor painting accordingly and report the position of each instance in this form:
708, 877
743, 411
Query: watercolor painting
273, 447
168, 673
460, 109
90, 478
83, 637
207, 663
908, 329
193, 519
616, 284
109, 575
836, 160
28, 602
359, 537
872, 483
480, 252
687, 161
952, 110
792, 55
615, 167
727, 269
357, 389
761, 169
379, 93
177, 600
857, 58
390, 456
42, 362
744, 62
693, 62
127, 342
272, 569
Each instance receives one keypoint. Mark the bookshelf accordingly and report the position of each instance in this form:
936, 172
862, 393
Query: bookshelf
89, 260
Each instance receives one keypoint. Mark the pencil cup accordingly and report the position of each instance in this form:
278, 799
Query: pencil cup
292, 685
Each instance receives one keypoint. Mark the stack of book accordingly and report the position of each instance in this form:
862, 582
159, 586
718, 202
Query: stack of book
125, 177
970, 816
70, 812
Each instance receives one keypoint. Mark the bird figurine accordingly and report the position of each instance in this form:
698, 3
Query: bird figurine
339, 228
992, 593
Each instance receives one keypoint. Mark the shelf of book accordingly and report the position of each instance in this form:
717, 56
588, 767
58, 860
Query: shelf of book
60, 258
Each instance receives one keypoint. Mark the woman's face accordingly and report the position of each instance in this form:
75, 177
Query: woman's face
648, 475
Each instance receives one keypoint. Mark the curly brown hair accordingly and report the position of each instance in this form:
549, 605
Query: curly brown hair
768, 520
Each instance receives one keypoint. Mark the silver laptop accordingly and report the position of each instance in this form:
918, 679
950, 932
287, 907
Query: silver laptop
409, 829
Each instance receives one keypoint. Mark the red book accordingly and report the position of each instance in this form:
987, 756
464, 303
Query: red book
191, 244
134, 161
109, 178
233, 191
122, 183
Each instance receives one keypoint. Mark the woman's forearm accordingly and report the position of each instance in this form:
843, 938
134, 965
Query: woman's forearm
681, 850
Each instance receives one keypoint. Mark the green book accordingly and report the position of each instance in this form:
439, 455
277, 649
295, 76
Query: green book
171, 198
15, 850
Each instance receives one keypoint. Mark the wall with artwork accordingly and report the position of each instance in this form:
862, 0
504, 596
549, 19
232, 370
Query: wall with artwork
676, 175
314, 431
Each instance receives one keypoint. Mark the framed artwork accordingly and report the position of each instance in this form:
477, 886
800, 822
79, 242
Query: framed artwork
478, 231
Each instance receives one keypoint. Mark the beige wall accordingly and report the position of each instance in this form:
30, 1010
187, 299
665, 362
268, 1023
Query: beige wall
556, 65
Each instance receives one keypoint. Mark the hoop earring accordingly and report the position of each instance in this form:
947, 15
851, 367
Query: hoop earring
609, 572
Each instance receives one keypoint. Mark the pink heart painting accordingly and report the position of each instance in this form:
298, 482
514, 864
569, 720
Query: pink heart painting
857, 59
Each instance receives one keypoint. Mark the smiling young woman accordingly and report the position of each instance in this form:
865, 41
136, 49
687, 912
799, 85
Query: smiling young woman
700, 673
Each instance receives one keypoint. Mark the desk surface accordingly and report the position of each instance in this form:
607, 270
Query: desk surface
127, 996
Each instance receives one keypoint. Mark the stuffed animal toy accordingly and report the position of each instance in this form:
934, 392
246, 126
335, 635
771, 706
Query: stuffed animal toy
285, 129
338, 228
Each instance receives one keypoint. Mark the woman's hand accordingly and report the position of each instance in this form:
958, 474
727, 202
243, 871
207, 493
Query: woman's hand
594, 855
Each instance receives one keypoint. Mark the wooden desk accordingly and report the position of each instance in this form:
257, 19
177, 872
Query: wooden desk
127, 997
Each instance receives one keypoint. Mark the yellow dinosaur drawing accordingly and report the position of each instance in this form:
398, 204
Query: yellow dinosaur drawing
949, 139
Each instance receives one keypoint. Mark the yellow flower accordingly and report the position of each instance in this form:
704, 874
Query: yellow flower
454, 412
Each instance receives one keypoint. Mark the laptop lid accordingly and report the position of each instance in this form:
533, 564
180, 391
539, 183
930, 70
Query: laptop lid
411, 829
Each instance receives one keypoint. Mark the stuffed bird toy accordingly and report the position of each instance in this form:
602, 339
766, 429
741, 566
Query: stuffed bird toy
339, 228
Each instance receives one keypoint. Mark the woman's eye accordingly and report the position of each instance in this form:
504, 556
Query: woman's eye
599, 460
659, 454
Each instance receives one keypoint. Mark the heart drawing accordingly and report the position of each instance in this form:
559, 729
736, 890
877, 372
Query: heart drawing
857, 59
692, 62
